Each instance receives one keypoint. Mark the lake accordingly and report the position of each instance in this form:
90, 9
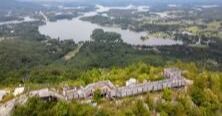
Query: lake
79, 30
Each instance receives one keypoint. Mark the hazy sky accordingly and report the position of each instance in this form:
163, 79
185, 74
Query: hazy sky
116, 1
119, 0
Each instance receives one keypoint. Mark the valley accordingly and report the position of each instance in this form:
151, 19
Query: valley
88, 52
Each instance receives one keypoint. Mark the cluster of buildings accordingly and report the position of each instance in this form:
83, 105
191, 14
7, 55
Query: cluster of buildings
173, 79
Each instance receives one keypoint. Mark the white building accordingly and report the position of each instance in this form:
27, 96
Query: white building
18, 91
131, 82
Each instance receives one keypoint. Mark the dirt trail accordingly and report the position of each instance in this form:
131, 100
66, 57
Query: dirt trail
73, 53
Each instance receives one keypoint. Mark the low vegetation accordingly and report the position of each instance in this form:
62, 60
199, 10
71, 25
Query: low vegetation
37, 61
202, 98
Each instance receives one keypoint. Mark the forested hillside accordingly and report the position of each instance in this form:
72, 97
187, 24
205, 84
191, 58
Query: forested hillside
202, 98
43, 62
186, 36
38, 63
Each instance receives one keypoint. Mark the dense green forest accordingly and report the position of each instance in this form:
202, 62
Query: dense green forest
43, 63
202, 98
114, 62
37, 61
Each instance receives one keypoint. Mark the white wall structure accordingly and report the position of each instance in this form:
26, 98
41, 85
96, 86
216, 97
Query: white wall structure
130, 82
18, 91
173, 79
2, 94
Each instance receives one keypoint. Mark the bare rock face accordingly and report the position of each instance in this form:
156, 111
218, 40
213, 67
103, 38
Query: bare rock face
2, 94
6, 108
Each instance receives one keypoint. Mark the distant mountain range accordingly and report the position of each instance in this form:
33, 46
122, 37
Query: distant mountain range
14, 4
113, 1
29, 4
140, 2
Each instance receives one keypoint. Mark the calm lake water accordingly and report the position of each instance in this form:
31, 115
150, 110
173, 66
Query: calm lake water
81, 30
